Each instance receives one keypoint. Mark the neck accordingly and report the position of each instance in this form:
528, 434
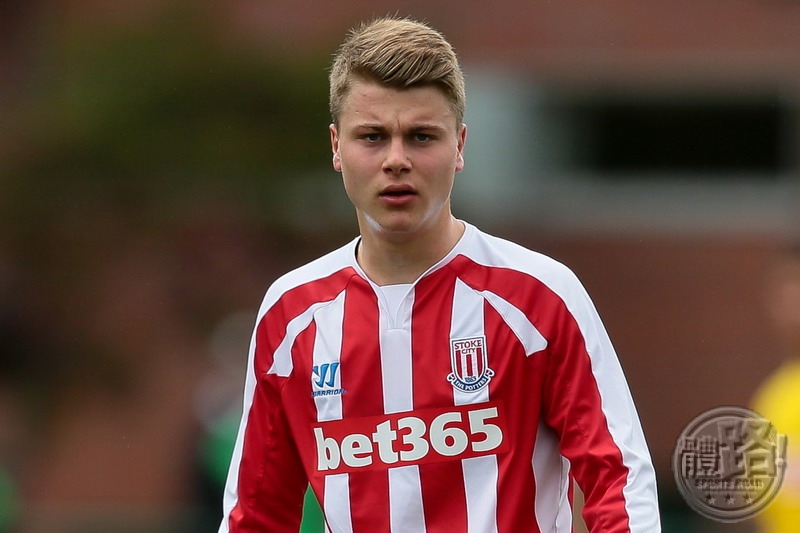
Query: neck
391, 261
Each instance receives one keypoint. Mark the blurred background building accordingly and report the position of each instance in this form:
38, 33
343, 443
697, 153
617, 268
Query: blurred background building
162, 161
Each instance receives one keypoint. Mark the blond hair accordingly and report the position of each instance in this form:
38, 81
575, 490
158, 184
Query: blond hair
400, 53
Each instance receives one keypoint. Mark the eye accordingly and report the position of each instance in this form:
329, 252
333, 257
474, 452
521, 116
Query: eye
371, 137
422, 137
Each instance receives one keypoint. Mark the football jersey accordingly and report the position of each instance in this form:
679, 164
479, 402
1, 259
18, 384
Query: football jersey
471, 407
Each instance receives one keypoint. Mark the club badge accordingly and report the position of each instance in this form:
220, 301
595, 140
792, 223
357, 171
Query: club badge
470, 364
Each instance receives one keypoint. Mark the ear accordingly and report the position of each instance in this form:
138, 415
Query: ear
462, 139
337, 160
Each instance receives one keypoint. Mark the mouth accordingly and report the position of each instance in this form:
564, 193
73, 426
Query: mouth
398, 195
397, 191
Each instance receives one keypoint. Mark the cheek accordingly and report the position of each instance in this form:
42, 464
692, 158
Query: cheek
353, 186
356, 160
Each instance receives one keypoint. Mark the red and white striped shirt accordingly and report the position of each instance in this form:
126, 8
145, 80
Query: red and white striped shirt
470, 409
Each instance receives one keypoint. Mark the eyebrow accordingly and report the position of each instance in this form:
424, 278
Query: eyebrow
425, 126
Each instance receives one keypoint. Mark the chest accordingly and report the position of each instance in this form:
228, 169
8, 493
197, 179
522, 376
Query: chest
361, 357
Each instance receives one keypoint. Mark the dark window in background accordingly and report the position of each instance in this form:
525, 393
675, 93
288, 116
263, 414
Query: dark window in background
709, 139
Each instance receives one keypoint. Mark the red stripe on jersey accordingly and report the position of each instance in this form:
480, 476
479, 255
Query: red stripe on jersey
575, 409
443, 492
515, 510
257, 470
469, 362
461, 363
299, 386
254, 512
361, 378
430, 340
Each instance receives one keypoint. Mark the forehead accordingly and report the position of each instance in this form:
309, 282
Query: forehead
370, 102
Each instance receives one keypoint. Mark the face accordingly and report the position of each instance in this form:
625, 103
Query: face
398, 152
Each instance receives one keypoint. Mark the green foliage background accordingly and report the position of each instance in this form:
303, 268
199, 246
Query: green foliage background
115, 134
142, 119
118, 133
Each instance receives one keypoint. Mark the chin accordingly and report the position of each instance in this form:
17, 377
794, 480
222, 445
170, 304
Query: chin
392, 226
397, 230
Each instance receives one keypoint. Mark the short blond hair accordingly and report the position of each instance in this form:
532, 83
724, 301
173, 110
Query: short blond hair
401, 53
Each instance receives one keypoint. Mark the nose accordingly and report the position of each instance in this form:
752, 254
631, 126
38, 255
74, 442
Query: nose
397, 160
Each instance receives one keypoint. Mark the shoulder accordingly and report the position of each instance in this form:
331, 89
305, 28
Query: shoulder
313, 280
510, 275
490, 252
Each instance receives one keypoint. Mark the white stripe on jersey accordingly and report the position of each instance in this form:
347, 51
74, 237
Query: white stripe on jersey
405, 489
466, 325
337, 503
480, 484
528, 335
405, 499
329, 320
282, 364
396, 369
480, 473
624, 429
551, 472
327, 351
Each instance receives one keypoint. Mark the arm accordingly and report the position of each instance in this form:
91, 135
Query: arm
266, 482
588, 403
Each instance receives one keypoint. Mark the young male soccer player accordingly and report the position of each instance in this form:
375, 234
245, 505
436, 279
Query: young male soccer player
428, 377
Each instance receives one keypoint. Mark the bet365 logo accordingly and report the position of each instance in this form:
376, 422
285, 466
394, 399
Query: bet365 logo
415, 437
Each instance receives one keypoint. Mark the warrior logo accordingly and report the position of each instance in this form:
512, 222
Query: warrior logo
324, 380
470, 364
